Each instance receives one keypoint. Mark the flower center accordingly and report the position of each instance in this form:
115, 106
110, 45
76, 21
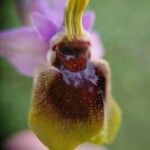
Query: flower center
72, 47
74, 54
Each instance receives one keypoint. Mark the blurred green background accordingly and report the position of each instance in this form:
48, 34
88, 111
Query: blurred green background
124, 26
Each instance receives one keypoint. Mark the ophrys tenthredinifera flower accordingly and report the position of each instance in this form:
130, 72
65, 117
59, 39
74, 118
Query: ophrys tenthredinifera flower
71, 98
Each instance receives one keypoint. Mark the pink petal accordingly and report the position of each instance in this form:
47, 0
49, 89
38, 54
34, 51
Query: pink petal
24, 49
57, 17
57, 11
39, 6
52, 9
58, 4
44, 26
24, 140
97, 49
88, 20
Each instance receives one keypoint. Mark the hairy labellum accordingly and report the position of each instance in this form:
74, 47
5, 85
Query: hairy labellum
70, 97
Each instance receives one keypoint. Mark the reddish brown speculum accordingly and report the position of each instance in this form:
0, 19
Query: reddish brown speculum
74, 54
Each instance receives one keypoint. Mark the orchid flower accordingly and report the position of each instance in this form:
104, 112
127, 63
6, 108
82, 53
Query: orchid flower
27, 47
72, 101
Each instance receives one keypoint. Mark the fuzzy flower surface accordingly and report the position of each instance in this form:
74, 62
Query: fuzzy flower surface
27, 47
71, 95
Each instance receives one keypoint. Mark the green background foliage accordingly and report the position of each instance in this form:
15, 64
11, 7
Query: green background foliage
124, 26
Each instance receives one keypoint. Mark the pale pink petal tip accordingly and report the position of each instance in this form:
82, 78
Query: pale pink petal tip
44, 26
25, 140
39, 6
24, 49
89, 146
88, 20
97, 49
53, 9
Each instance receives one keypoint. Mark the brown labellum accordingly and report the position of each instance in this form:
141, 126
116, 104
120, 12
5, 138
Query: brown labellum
73, 90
